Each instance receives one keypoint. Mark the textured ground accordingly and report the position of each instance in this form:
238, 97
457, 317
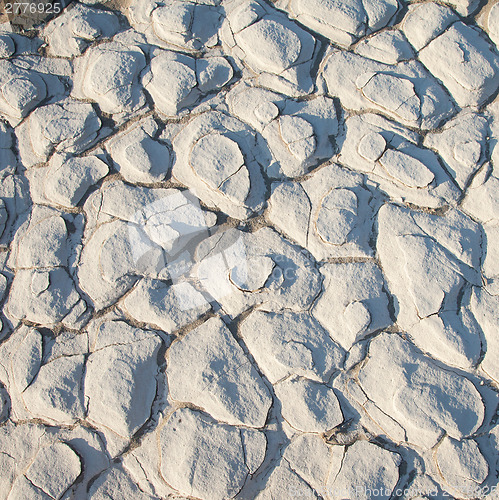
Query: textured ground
250, 249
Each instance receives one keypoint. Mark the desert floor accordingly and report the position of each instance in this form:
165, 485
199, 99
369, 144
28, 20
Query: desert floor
249, 249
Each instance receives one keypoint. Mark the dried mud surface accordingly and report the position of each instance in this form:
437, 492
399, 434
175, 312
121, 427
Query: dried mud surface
249, 249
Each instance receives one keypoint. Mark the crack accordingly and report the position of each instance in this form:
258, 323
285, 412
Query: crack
35, 486
345, 448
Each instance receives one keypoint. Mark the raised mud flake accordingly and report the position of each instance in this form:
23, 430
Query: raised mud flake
462, 466
14, 193
53, 471
298, 133
209, 369
426, 400
171, 82
482, 197
484, 306
15, 43
368, 465
66, 127
213, 73
42, 242
337, 216
120, 379
490, 264
44, 376
426, 21
190, 25
435, 263
8, 160
342, 22
215, 456
296, 221
279, 51
329, 213
109, 75
45, 297
217, 156
289, 343
283, 482
143, 464
390, 47
138, 156
406, 169
276, 57
76, 28
455, 239
20, 91
136, 204
68, 178
254, 280
396, 95
57, 461
390, 155
308, 406
462, 145
372, 146
464, 7
26, 362
294, 128
227, 263
101, 276
469, 67
405, 92
168, 306
493, 24
313, 460
134, 222
117, 483
353, 303
56, 394
175, 24
7, 46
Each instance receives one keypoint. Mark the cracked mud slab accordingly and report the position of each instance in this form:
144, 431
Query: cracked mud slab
249, 249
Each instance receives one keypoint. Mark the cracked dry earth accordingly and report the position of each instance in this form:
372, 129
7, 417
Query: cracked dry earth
250, 250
